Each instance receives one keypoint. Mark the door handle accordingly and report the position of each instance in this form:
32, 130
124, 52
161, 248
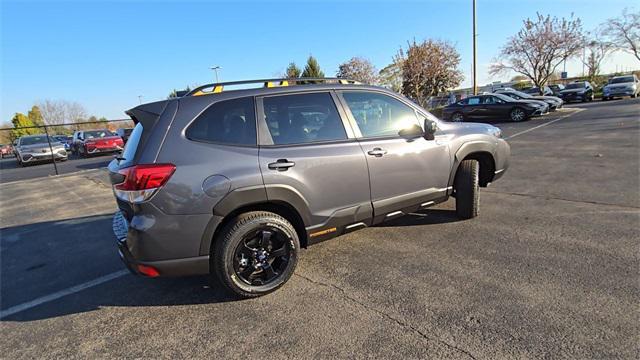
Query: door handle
377, 152
281, 165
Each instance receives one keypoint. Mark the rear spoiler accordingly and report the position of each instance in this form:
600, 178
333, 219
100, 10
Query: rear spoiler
147, 114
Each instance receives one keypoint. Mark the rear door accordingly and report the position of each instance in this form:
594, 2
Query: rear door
404, 172
310, 157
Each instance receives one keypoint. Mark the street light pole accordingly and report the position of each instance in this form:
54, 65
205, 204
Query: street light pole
140, 99
475, 85
216, 68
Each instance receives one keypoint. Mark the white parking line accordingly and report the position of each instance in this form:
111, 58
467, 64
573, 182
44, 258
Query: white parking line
545, 124
57, 295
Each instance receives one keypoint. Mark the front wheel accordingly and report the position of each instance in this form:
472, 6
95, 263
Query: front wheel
517, 115
467, 189
457, 117
255, 254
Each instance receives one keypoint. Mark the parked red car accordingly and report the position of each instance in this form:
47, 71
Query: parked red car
89, 142
5, 150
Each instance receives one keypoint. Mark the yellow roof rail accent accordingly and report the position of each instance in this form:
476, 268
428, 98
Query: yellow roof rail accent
268, 83
271, 84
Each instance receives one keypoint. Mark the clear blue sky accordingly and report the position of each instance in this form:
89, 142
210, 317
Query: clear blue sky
104, 54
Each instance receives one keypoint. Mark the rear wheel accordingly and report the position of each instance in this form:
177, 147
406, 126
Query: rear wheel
255, 254
467, 189
517, 114
457, 117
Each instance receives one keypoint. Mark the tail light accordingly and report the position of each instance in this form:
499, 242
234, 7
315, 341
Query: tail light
142, 181
149, 271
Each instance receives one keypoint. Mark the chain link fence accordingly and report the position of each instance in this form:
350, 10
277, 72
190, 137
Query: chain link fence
56, 133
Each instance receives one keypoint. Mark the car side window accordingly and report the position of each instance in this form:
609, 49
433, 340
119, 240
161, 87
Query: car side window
473, 101
379, 114
303, 118
230, 122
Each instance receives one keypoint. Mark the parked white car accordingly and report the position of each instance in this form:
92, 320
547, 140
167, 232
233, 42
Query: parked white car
619, 86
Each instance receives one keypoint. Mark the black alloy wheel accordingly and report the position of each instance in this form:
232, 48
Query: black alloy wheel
255, 253
262, 256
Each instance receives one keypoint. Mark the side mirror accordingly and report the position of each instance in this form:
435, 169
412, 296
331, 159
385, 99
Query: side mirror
430, 128
411, 132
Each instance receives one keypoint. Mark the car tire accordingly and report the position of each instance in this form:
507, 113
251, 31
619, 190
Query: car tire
467, 189
517, 114
457, 117
243, 249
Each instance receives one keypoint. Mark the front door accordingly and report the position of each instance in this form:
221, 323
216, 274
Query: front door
405, 173
310, 157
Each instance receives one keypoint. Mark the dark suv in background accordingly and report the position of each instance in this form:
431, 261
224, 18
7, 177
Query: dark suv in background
577, 91
234, 183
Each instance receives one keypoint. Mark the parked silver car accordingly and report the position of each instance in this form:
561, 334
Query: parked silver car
620, 86
233, 183
35, 148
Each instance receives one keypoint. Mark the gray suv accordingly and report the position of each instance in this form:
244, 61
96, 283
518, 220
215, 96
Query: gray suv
234, 183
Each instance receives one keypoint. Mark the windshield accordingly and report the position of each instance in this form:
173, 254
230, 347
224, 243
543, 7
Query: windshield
626, 79
33, 140
575, 86
96, 134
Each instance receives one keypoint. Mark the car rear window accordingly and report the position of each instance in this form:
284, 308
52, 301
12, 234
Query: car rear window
94, 134
230, 122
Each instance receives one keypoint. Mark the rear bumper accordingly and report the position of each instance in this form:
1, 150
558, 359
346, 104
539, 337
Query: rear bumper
141, 243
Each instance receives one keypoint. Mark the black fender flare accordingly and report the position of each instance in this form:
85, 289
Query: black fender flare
261, 194
247, 197
466, 149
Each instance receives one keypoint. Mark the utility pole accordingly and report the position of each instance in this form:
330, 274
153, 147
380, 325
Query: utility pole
475, 84
140, 99
216, 68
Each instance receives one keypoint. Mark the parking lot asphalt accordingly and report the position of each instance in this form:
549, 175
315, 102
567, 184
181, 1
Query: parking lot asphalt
549, 269
11, 171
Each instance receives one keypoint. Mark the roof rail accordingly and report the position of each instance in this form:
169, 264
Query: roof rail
216, 88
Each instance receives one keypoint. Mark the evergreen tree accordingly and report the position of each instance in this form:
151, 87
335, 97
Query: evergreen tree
35, 115
312, 69
293, 71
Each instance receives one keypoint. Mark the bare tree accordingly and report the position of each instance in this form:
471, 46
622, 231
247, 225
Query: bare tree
429, 68
359, 69
55, 112
539, 47
623, 32
596, 50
